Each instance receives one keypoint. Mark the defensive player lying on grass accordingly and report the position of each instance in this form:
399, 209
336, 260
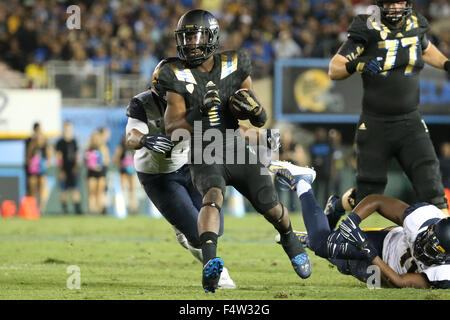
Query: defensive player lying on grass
415, 253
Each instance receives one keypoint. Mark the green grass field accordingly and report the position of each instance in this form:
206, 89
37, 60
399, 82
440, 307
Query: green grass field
139, 258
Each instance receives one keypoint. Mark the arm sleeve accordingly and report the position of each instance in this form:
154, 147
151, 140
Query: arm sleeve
135, 110
351, 49
358, 31
136, 124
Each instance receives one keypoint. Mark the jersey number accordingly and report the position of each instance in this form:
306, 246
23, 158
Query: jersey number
406, 259
392, 48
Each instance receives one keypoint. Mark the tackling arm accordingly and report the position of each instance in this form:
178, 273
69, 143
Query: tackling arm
407, 280
390, 208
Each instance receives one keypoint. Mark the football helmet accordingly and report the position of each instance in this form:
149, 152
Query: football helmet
394, 15
197, 36
432, 246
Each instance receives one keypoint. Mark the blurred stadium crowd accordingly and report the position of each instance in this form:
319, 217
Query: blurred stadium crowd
131, 36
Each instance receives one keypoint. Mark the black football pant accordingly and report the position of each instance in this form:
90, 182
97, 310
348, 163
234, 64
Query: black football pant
405, 138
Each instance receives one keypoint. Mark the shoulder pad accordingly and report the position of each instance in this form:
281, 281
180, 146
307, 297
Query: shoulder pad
359, 28
417, 21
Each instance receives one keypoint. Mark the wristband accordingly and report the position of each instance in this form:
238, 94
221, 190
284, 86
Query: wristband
354, 217
351, 66
447, 66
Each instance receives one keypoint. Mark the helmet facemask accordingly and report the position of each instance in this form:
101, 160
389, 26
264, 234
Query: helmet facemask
427, 248
394, 15
196, 44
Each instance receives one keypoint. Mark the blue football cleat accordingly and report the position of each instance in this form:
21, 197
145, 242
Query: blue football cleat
302, 265
289, 174
211, 274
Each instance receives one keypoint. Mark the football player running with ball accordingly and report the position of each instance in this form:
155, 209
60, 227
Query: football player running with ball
200, 84
389, 50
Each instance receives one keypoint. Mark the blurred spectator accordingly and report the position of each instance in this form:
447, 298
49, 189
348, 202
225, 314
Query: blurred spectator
38, 157
123, 159
285, 46
338, 161
289, 151
118, 34
97, 160
68, 168
321, 153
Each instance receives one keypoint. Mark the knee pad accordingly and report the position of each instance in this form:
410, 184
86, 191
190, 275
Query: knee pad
266, 198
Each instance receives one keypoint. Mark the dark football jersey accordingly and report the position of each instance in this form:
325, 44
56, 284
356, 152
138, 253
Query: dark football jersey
395, 90
230, 69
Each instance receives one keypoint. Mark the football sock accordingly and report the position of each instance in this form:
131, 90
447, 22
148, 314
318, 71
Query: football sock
314, 218
209, 245
291, 244
64, 207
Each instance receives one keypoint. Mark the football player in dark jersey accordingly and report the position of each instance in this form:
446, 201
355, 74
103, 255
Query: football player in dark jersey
198, 86
389, 50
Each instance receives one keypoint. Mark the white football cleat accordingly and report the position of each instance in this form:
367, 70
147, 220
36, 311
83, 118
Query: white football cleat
288, 174
225, 281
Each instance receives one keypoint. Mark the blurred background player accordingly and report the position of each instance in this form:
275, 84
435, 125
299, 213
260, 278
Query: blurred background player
123, 159
163, 171
38, 159
415, 253
68, 168
389, 51
97, 161
199, 85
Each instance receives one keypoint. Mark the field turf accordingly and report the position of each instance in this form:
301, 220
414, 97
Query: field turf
139, 258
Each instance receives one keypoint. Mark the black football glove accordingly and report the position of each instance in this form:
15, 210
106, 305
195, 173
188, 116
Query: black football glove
157, 142
245, 103
350, 231
365, 65
211, 99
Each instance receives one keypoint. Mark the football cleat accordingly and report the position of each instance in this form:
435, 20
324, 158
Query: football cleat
289, 174
211, 274
225, 281
302, 265
330, 211
301, 235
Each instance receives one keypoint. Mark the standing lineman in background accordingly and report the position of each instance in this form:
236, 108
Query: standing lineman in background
68, 168
389, 51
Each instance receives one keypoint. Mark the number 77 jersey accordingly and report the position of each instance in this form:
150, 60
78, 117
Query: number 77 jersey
396, 89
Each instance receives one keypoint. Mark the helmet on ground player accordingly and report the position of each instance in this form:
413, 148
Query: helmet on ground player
197, 36
432, 246
394, 15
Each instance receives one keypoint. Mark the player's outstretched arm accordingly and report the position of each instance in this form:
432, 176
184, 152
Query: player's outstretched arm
407, 280
175, 115
390, 208
435, 58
